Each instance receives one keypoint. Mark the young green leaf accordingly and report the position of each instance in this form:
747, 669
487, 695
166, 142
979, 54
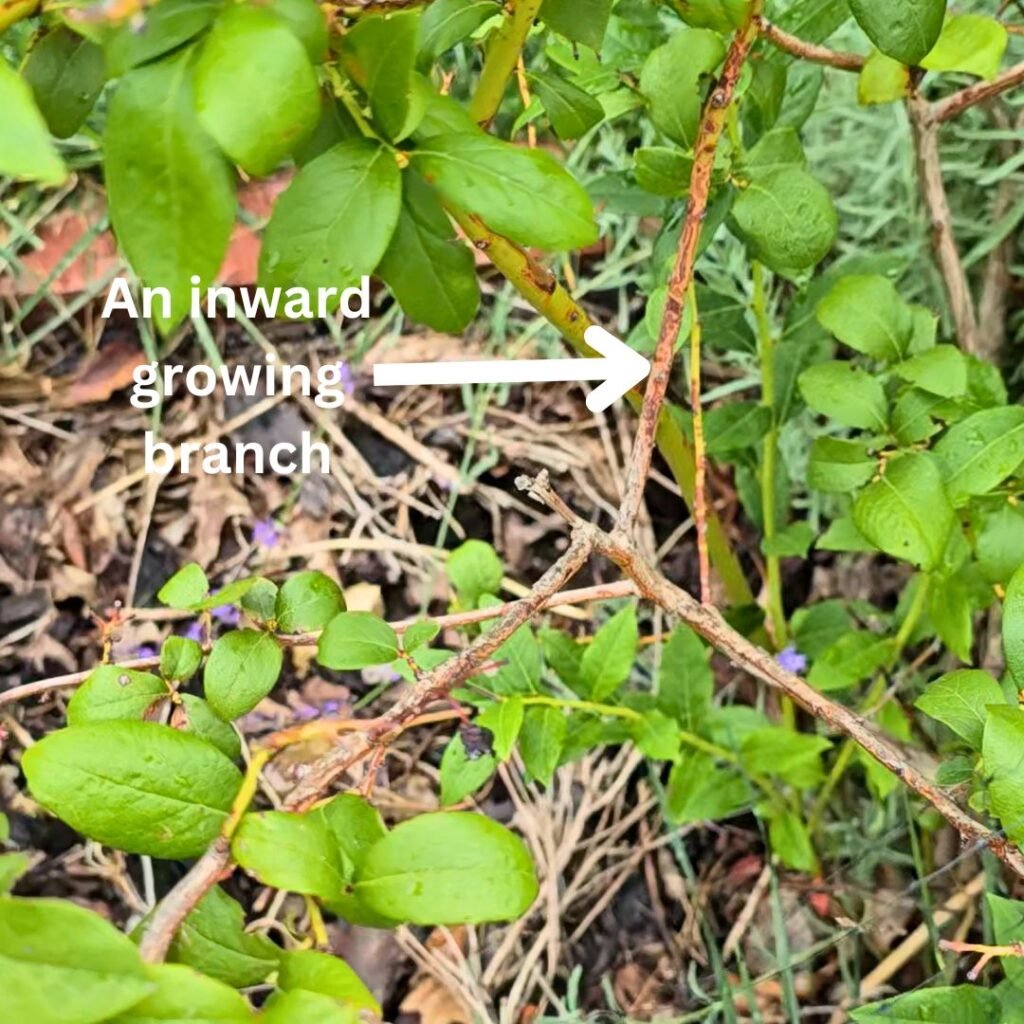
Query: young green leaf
969, 43
291, 851
855, 656
952, 614
256, 90
720, 15
180, 659
138, 786
334, 222
564, 655
541, 740
354, 640
906, 30
448, 22
964, 1004
839, 465
418, 635
1013, 627
882, 80
307, 601
111, 694
699, 790
524, 194
185, 589
12, 867
663, 171
474, 569
866, 312
582, 21
167, 27
786, 218
448, 868
793, 757
26, 150
307, 22
430, 272
980, 452
213, 939
735, 427
181, 993
199, 718
906, 512
171, 193
504, 721
379, 54
775, 150
462, 773
329, 975
999, 543
260, 600
231, 594
571, 110
1008, 927
608, 659
791, 842
685, 681
656, 736
66, 74
308, 1007
939, 371
960, 700
1001, 746
241, 670
61, 964
845, 393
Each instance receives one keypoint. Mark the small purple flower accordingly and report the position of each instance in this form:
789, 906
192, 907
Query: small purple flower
792, 660
306, 713
346, 379
265, 533
145, 651
331, 707
195, 631
227, 614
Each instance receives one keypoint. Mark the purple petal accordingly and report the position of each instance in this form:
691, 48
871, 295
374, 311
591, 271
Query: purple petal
792, 660
228, 614
195, 632
265, 533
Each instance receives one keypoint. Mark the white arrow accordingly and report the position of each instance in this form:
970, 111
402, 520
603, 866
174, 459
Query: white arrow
620, 369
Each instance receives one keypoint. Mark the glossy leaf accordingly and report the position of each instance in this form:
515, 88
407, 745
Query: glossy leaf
241, 670
308, 1007
866, 312
960, 700
66, 74
138, 786
183, 994
307, 601
354, 640
329, 975
904, 29
196, 716
839, 465
186, 588
112, 693
180, 658
980, 452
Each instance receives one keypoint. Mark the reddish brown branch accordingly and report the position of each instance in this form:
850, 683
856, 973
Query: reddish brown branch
953, 106
790, 44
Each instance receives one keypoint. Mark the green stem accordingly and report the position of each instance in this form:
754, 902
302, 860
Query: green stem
769, 457
542, 290
849, 748
502, 55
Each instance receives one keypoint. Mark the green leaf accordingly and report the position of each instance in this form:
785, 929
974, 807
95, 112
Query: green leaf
775, 150
698, 790
138, 786
61, 964
231, 594
295, 852
541, 741
504, 721
256, 90
720, 15
969, 43
333, 223
180, 659
912, 416
307, 22
952, 615
792, 541
1013, 627
964, 1004
735, 426
167, 27
571, 110
842, 535
906, 512
564, 655
979, 453
447, 22
787, 219
656, 736
185, 589
608, 659
1008, 927
939, 371
672, 80
307, 601
171, 193
856, 655
663, 171
430, 272
12, 867
839, 465
353, 640
213, 939
474, 569
26, 150
816, 627
242, 669
582, 21
182, 994
199, 718
418, 635
260, 600
793, 757
524, 194
903, 29
845, 393
379, 53
448, 868
999, 544
685, 681
115, 694
308, 1007
866, 312
960, 700
336, 125
461, 773
1001, 746
791, 842
329, 975
882, 80
66, 74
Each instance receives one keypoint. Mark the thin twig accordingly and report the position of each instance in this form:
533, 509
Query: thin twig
953, 106
809, 51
